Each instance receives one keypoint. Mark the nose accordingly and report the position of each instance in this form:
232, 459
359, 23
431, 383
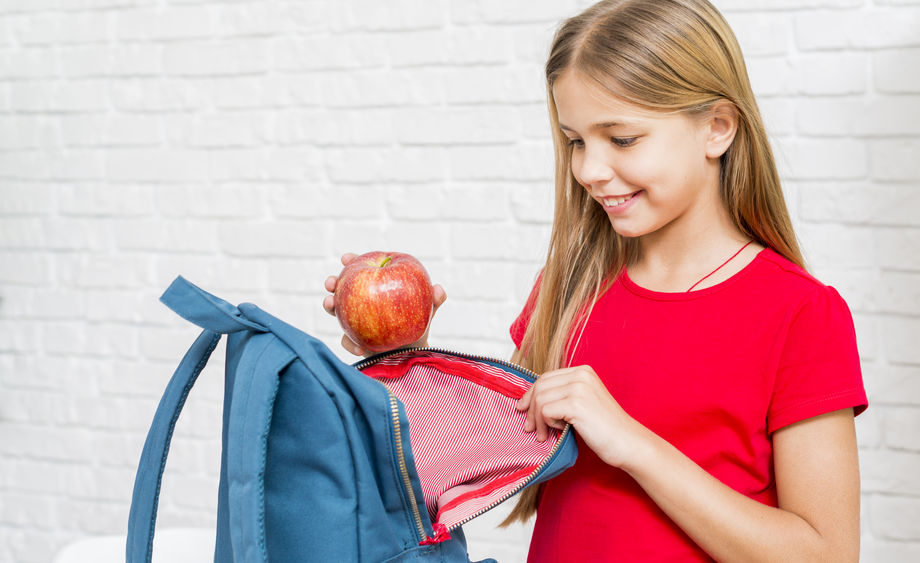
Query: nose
592, 167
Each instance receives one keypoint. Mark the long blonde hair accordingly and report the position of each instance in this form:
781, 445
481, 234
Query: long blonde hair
668, 56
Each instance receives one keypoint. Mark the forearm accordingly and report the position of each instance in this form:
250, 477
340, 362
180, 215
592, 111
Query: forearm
727, 524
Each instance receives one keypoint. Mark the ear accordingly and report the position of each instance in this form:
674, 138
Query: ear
722, 126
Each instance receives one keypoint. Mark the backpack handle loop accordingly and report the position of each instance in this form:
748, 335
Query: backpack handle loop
205, 310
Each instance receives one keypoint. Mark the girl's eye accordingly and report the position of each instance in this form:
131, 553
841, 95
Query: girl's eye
623, 141
577, 143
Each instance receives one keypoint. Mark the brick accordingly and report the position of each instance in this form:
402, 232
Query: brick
509, 162
894, 385
461, 45
56, 28
473, 11
771, 76
154, 165
228, 130
493, 85
860, 202
475, 125
275, 239
373, 165
765, 5
226, 201
875, 28
479, 281
882, 116
122, 270
895, 159
895, 518
900, 340
245, 56
344, 201
880, 551
67, 233
32, 63
894, 71
20, 200
329, 51
57, 303
93, 200
895, 422
886, 470
82, 130
259, 19
165, 235
842, 246
156, 94
869, 427
811, 159
898, 250
476, 201
220, 273
159, 24
867, 335
415, 202
831, 74
761, 34
361, 89
533, 202
899, 292
20, 336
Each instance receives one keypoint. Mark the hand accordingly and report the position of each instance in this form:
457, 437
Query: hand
577, 396
329, 305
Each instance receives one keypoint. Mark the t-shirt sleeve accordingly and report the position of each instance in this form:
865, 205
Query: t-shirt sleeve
819, 368
519, 326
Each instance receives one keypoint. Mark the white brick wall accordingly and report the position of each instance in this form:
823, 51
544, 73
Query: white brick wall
246, 144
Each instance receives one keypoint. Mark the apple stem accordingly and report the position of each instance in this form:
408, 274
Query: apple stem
385, 261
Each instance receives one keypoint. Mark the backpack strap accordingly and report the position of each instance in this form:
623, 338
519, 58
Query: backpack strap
143, 515
217, 317
254, 392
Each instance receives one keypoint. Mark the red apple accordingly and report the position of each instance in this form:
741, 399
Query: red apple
384, 300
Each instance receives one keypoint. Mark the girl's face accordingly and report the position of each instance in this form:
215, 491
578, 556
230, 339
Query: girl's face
651, 172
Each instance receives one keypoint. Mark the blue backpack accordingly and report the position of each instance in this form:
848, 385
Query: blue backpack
322, 461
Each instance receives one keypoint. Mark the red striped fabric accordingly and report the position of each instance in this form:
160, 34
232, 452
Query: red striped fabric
467, 438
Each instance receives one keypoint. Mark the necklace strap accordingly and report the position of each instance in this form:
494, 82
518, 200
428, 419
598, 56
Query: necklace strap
720, 266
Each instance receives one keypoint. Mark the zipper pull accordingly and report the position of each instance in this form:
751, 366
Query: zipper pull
441, 533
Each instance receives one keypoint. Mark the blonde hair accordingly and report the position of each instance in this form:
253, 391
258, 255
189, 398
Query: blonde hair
668, 56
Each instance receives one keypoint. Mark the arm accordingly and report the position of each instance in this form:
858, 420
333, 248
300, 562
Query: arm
815, 462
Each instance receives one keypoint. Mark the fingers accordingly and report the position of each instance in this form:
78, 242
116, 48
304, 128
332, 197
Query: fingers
350, 345
440, 296
348, 257
549, 401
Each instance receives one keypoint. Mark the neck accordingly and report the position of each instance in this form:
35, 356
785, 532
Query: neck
676, 256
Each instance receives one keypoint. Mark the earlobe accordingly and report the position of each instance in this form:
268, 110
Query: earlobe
723, 124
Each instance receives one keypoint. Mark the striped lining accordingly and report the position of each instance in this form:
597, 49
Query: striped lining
467, 437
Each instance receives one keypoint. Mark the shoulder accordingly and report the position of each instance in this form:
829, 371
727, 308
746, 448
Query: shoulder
784, 281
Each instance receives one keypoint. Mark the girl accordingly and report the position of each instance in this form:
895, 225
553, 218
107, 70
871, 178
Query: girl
711, 381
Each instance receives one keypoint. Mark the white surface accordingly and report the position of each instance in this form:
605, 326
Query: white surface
171, 545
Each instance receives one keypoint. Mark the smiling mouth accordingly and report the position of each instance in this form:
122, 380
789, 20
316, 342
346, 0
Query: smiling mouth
616, 201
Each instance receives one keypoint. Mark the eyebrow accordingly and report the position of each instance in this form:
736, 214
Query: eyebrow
601, 125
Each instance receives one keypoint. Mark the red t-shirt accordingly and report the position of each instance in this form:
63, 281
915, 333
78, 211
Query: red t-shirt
714, 372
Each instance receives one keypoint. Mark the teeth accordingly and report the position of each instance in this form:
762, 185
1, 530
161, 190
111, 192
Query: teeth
614, 201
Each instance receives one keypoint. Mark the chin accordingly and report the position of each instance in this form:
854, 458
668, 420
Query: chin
628, 231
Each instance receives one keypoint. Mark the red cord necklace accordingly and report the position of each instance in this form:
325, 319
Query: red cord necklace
720, 267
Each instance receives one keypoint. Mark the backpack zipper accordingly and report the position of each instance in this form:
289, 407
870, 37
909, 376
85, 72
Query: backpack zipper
403, 466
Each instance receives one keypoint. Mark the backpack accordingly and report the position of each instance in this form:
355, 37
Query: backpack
384, 460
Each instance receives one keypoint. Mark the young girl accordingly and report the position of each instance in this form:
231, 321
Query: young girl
711, 381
